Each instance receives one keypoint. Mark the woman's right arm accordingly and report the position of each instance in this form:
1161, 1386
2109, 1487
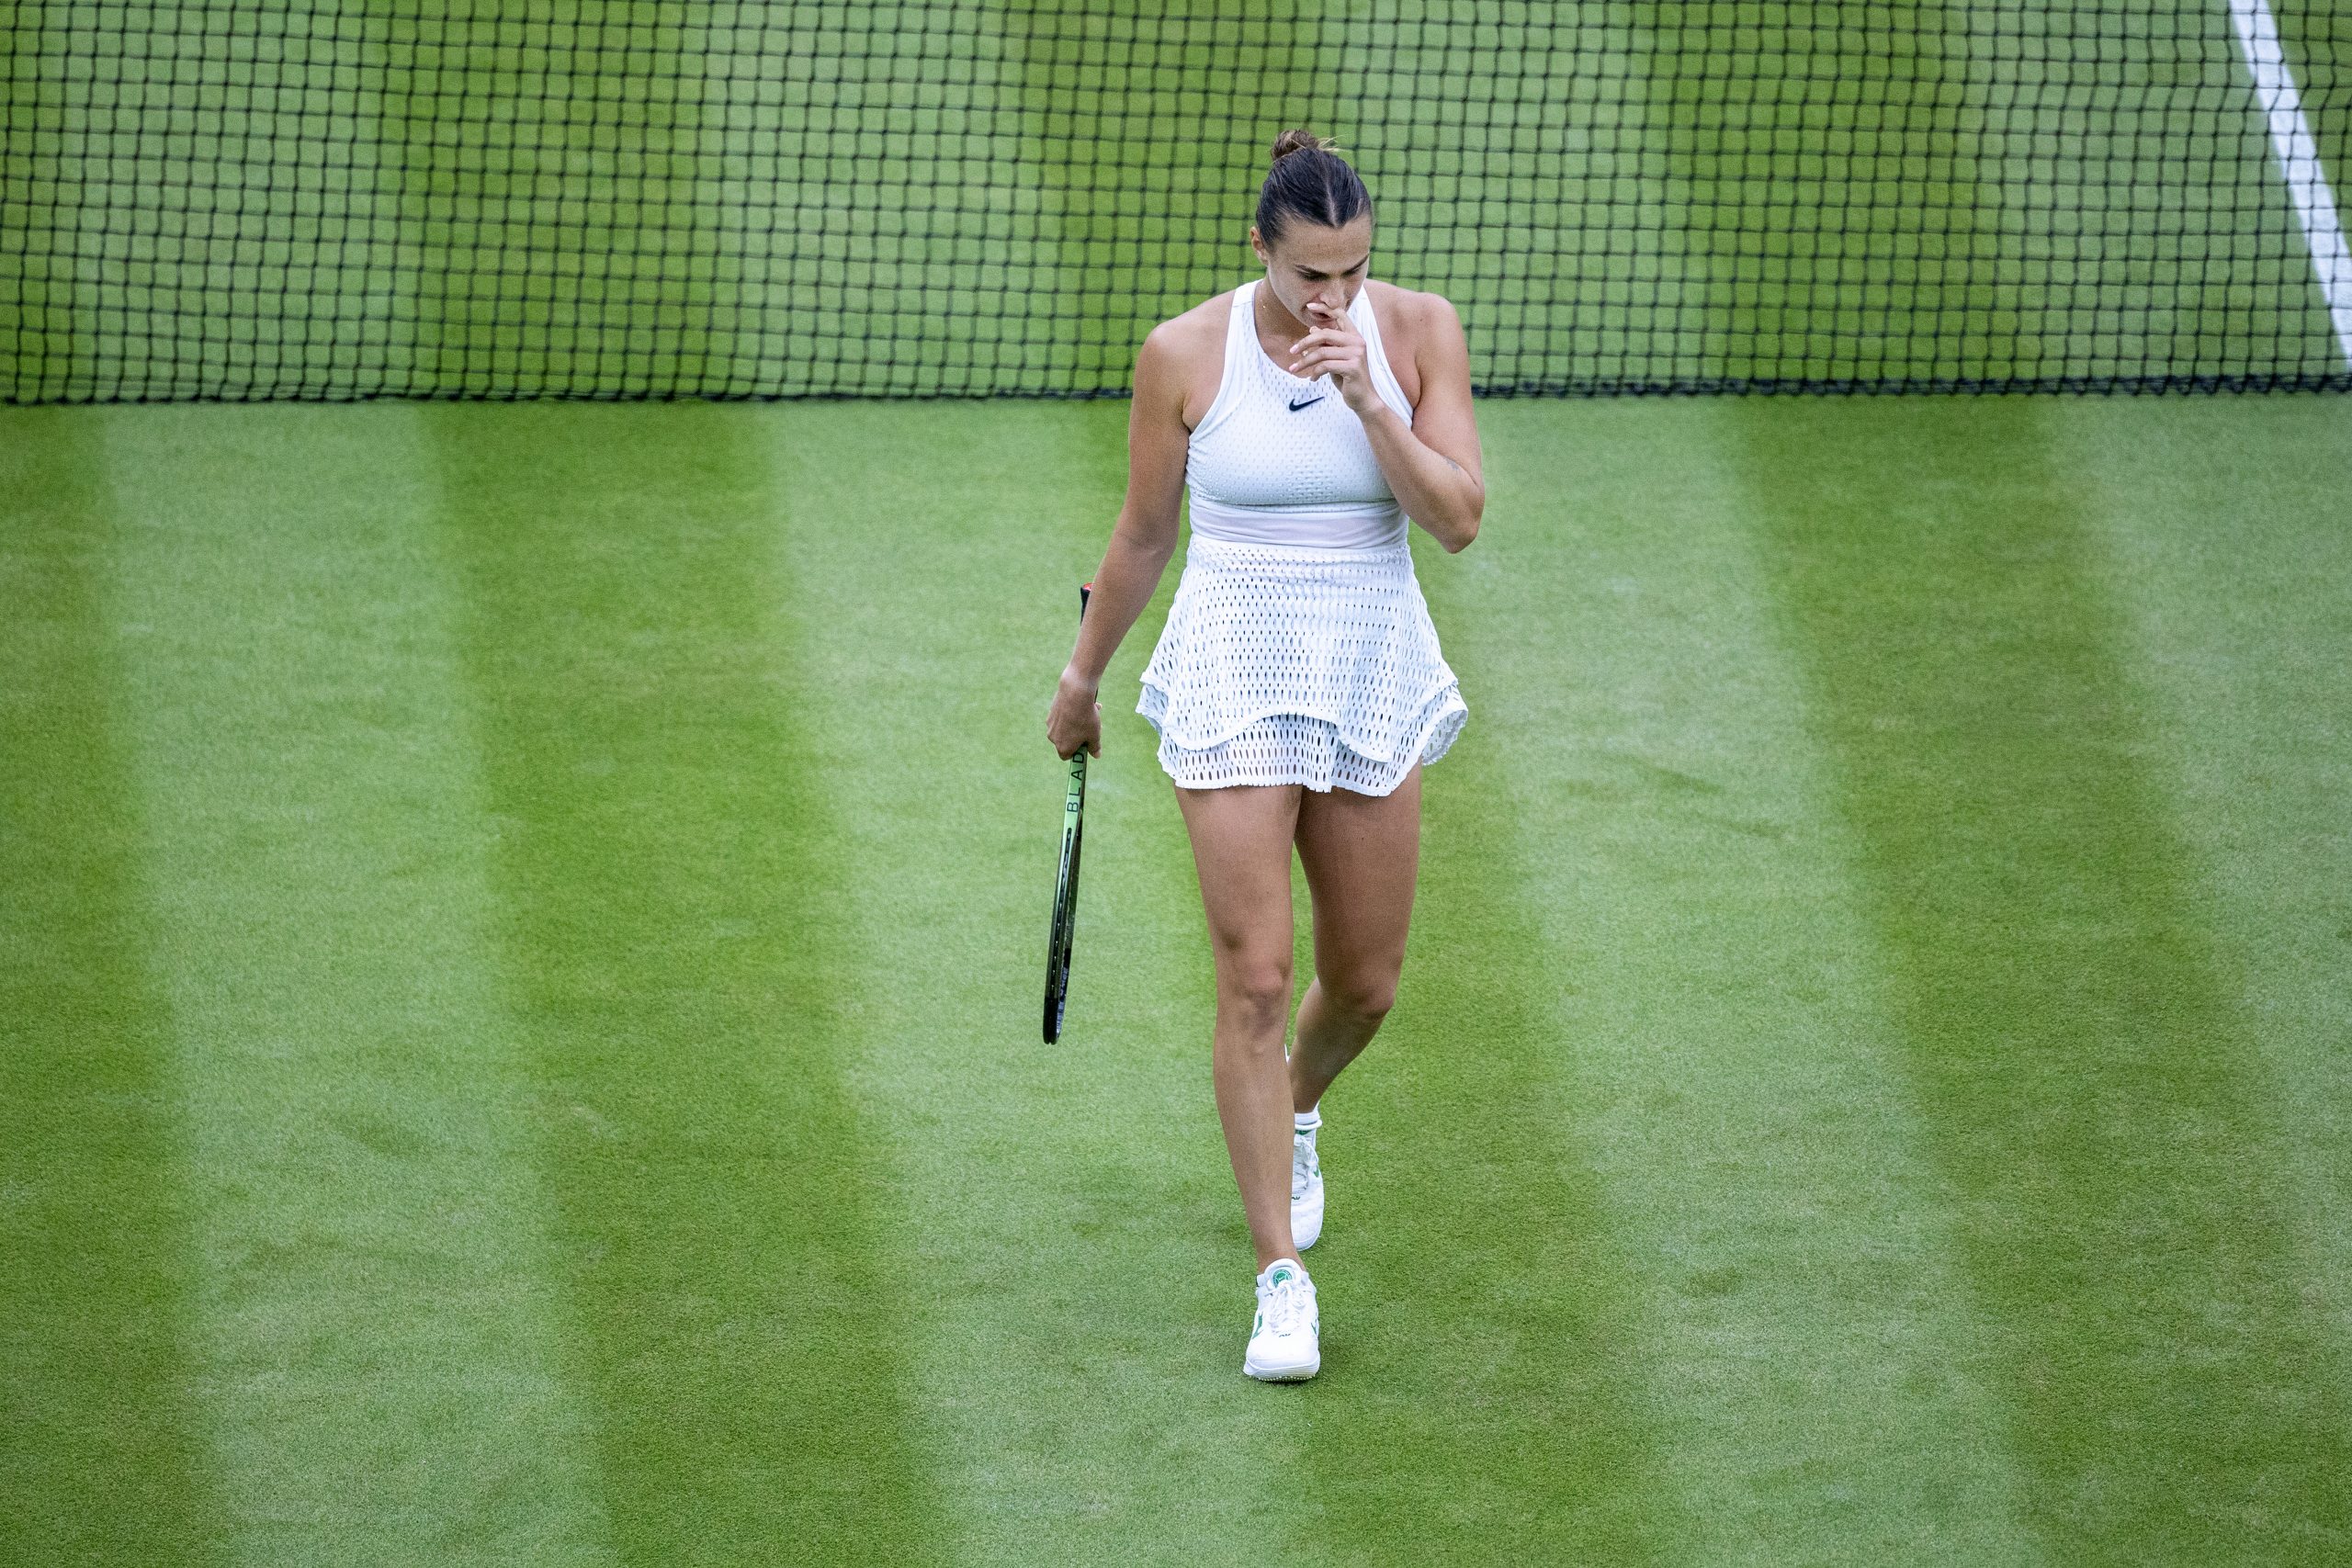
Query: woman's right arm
1141, 542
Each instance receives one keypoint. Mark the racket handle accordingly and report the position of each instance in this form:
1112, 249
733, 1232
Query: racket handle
1084, 588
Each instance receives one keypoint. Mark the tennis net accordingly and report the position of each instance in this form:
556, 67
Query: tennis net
626, 199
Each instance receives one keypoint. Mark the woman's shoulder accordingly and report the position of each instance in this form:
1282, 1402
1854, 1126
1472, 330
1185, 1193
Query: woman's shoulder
1197, 331
1410, 316
1184, 356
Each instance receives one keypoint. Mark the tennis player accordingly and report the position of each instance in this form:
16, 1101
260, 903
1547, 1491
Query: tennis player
1297, 687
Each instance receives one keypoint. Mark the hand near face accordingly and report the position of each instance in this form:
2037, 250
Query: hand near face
1332, 346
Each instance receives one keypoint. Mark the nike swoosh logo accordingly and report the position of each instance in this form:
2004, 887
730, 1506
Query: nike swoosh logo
1309, 402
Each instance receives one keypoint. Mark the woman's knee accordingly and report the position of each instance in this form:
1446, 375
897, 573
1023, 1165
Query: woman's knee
1255, 990
1366, 994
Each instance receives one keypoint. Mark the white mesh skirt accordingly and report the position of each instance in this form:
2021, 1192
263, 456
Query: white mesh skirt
1290, 664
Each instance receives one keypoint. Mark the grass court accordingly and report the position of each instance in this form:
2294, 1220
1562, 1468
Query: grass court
522, 925
525, 924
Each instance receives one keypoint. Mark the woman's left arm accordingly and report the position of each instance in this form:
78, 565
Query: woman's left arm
1432, 464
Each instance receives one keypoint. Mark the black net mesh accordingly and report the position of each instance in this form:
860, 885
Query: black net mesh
621, 199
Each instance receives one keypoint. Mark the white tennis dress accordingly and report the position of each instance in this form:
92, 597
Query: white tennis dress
1298, 648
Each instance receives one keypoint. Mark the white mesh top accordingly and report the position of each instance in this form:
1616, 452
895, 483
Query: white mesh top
1281, 460
1298, 648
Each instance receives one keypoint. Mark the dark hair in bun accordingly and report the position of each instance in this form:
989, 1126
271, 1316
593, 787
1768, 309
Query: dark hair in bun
1309, 182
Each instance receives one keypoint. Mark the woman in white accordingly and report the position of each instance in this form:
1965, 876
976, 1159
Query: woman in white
1298, 687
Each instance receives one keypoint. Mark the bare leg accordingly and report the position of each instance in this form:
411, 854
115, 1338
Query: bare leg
1361, 854
1241, 844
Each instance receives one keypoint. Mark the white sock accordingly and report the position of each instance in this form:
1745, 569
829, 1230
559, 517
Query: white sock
1306, 1121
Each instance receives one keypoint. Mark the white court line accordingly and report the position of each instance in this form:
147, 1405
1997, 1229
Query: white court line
2290, 134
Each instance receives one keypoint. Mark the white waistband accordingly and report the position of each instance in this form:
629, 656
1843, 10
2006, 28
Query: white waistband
1349, 527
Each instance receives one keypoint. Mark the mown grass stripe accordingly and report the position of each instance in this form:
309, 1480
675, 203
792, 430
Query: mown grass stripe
1078, 1276
101, 1459
2085, 1086
1712, 1023
677, 945
2217, 522
371, 1315
1484, 1395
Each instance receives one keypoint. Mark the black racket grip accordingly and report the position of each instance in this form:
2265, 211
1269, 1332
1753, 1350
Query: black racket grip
1085, 590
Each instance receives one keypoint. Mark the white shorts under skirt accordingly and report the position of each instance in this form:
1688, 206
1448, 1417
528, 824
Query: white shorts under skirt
1286, 665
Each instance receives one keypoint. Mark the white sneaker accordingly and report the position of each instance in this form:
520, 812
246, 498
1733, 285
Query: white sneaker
1285, 1343
1306, 1187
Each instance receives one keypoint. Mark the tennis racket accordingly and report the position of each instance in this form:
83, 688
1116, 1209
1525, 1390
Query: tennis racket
1065, 884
